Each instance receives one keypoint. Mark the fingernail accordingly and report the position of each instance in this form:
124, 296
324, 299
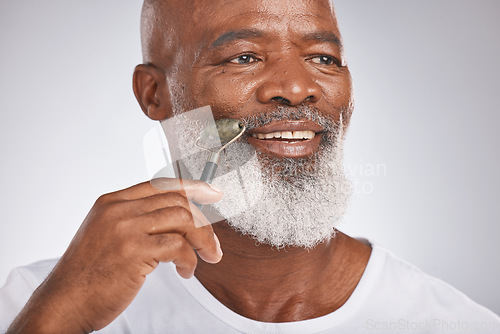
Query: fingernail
217, 242
214, 187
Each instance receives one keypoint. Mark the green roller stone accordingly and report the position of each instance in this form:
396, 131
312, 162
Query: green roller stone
226, 128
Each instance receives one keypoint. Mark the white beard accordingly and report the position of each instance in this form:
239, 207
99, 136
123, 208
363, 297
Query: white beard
281, 201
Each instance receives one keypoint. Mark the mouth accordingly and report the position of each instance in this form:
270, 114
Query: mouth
290, 139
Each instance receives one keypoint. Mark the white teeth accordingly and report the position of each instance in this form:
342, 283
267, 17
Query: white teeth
308, 134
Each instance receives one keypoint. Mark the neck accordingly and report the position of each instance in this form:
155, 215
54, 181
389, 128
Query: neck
266, 284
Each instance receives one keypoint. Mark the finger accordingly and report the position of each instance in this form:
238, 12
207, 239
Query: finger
195, 190
171, 219
157, 201
160, 213
164, 200
137, 191
179, 220
205, 243
172, 247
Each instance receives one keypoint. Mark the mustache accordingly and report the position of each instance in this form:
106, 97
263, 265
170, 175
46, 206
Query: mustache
303, 112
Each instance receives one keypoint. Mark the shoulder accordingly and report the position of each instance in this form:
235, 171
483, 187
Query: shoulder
34, 273
20, 284
408, 291
29, 277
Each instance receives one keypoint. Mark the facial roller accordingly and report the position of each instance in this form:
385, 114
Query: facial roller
224, 132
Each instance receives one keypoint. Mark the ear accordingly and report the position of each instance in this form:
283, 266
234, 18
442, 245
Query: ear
151, 91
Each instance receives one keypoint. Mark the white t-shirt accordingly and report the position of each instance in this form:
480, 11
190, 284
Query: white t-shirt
391, 297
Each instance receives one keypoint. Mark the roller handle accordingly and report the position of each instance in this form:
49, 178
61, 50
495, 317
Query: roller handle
208, 172
207, 176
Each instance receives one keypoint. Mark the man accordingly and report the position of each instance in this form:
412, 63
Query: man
279, 67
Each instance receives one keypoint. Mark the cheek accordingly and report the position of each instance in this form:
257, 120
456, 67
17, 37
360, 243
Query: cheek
337, 91
340, 96
224, 92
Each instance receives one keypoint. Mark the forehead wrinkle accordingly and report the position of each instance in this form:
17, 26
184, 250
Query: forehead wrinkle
244, 33
264, 18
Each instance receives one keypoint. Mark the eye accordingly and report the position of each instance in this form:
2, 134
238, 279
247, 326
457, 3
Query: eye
243, 59
325, 60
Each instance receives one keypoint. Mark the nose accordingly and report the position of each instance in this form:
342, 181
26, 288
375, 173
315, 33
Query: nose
288, 83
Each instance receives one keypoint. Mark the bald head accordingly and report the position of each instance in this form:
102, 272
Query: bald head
156, 37
165, 28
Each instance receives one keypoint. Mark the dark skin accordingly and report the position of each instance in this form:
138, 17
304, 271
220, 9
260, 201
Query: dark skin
266, 285
123, 238
240, 57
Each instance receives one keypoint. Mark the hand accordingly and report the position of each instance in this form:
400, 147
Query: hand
123, 238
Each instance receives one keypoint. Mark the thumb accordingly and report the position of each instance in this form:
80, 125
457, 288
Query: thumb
195, 190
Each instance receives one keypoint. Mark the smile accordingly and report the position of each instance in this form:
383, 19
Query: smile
307, 134
291, 139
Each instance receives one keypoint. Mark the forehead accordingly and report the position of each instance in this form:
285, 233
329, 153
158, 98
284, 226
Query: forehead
210, 18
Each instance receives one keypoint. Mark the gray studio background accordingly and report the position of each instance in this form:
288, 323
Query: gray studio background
422, 149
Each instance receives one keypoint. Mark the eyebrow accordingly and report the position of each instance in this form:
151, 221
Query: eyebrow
233, 35
323, 36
